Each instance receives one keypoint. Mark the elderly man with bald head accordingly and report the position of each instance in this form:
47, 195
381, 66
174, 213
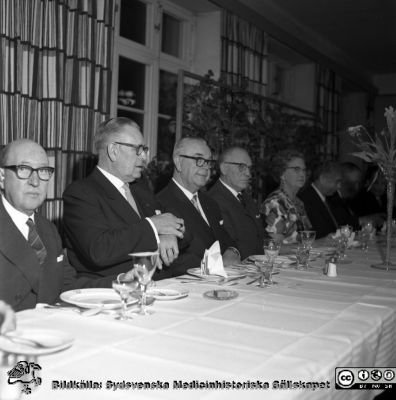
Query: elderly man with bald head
33, 267
184, 198
109, 215
242, 219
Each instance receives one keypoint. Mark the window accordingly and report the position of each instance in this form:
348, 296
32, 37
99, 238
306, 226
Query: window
152, 42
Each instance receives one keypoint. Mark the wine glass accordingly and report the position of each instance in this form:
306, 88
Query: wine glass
345, 232
302, 256
307, 238
271, 250
124, 287
144, 265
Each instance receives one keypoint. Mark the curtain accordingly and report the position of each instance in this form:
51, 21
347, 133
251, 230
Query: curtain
244, 57
328, 110
55, 79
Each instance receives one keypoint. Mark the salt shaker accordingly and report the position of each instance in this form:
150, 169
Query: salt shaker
331, 267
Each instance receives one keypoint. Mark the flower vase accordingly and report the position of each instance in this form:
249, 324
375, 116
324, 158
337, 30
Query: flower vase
390, 176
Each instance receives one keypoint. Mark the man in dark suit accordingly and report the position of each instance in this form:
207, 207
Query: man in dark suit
192, 160
107, 215
242, 219
33, 267
327, 179
342, 201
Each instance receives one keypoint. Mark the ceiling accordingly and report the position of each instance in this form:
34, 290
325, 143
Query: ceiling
363, 29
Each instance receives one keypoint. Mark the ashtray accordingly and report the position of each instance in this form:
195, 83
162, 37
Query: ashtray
221, 294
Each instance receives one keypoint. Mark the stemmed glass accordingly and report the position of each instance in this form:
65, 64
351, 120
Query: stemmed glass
345, 232
307, 238
365, 235
144, 265
271, 250
124, 287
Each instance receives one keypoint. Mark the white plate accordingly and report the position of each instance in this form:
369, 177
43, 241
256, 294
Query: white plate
53, 340
167, 294
92, 298
278, 260
232, 272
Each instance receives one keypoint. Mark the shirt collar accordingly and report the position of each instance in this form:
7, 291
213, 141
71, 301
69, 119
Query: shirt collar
323, 198
18, 217
233, 191
184, 190
117, 182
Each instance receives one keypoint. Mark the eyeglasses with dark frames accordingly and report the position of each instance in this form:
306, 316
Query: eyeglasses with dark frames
297, 170
242, 167
139, 148
25, 171
200, 161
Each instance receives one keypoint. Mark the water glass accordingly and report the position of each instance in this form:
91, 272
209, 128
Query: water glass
302, 255
125, 287
144, 265
306, 238
271, 250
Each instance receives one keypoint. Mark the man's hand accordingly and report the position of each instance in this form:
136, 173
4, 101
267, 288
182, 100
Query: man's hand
168, 248
168, 224
7, 318
230, 257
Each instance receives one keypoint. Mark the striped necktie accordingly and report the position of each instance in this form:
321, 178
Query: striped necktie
241, 199
35, 241
130, 198
194, 200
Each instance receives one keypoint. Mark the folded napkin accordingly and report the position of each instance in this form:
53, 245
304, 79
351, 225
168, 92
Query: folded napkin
351, 238
212, 262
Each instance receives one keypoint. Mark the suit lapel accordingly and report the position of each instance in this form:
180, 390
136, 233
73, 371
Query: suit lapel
119, 204
199, 222
16, 249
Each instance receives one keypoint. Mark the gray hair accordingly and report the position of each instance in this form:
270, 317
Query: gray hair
107, 129
182, 143
281, 160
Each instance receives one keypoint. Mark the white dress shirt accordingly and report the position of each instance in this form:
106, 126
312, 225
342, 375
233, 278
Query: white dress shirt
190, 195
18, 217
118, 184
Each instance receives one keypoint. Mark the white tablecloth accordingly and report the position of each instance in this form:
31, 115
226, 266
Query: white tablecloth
300, 330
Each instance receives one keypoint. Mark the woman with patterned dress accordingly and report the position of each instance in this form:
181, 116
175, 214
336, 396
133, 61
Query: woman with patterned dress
284, 213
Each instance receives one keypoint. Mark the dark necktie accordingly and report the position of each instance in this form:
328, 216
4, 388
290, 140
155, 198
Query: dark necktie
326, 203
35, 241
241, 199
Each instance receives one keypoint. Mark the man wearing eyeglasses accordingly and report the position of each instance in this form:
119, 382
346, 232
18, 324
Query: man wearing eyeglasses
183, 197
242, 219
33, 268
108, 215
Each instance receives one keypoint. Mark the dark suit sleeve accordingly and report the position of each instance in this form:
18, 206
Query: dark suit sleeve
99, 236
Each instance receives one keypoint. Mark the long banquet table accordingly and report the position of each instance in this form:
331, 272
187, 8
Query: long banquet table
300, 330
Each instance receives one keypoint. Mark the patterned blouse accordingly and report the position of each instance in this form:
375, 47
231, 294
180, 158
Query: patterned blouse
284, 216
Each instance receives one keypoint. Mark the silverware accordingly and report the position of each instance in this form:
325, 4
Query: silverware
25, 341
228, 280
254, 280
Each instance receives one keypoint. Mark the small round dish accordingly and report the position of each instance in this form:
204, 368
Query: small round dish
221, 294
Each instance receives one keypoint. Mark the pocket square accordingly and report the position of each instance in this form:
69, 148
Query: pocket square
258, 215
157, 212
221, 222
59, 258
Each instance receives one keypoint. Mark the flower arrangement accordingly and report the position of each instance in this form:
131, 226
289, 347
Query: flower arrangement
378, 148
381, 150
